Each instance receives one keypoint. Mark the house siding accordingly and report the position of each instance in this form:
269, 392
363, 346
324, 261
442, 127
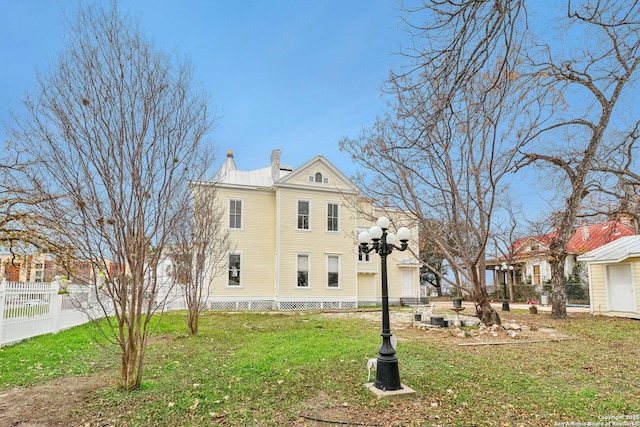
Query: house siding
270, 242
598, 283
255, 241
369, 289
318, 242
598, 288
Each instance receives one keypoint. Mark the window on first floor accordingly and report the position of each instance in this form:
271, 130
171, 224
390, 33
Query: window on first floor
303, 270
536, 275
333, 271
235, 270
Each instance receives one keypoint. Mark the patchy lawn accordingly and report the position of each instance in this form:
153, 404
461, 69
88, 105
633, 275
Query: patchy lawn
308, 369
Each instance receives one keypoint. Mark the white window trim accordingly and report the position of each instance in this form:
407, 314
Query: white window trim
329, 202
298, 214
308, 255
339, 271
241, 270
235, 199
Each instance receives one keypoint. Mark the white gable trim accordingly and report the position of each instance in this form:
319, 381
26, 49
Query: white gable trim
310, 168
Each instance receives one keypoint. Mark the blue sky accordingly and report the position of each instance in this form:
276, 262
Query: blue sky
297, 75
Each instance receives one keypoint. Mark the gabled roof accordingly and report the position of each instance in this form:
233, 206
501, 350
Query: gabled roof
617, 251
310, 167
278, 175
585, 238
517, 249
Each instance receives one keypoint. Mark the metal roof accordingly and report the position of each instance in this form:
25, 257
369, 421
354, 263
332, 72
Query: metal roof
229, 174
255, 178
616, 251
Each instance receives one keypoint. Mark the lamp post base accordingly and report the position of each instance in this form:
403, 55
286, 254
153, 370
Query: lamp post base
505, 305
387, 375
404, 393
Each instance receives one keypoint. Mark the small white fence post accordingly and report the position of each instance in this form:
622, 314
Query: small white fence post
3, 303
55, 305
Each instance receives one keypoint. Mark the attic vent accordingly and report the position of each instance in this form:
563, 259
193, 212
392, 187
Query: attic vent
318, 178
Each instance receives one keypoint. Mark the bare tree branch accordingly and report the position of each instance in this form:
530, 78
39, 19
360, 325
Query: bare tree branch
112, 137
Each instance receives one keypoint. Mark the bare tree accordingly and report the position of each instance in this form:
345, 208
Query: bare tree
432, 257
21, 231
558, 112
199, 249
446, 144
112, 135
622, 200
589, 81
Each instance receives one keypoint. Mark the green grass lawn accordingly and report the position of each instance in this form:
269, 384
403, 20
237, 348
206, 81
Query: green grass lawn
290, 368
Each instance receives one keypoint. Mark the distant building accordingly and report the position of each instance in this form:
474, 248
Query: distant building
42, 267
295, 238
530, 256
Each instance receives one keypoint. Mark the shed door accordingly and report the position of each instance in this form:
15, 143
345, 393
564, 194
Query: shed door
407, 283
620, 290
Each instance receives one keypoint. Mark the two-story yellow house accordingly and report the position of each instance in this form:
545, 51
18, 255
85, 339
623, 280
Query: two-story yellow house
294, 235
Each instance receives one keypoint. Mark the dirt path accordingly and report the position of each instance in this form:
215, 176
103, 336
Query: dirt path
55, 403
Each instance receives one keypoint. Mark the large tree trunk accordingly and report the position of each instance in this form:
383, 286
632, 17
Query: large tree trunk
558, 291
484, 310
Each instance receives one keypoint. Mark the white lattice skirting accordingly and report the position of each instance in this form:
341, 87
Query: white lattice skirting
284, 305
241, 305
316, 305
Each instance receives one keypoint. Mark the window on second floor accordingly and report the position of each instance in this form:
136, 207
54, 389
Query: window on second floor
333, 216
235, 214
303, 214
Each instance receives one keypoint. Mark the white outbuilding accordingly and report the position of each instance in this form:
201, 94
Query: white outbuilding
614, 277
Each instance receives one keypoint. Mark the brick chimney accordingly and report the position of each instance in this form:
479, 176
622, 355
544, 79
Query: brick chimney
585, 231
275, 165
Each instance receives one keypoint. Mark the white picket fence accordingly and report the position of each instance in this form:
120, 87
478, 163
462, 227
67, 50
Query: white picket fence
31, 309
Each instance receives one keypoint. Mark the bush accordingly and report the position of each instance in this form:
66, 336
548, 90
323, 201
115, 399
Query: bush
524, 292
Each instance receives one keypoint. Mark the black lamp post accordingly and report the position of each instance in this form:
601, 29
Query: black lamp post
505, 300
382, 242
